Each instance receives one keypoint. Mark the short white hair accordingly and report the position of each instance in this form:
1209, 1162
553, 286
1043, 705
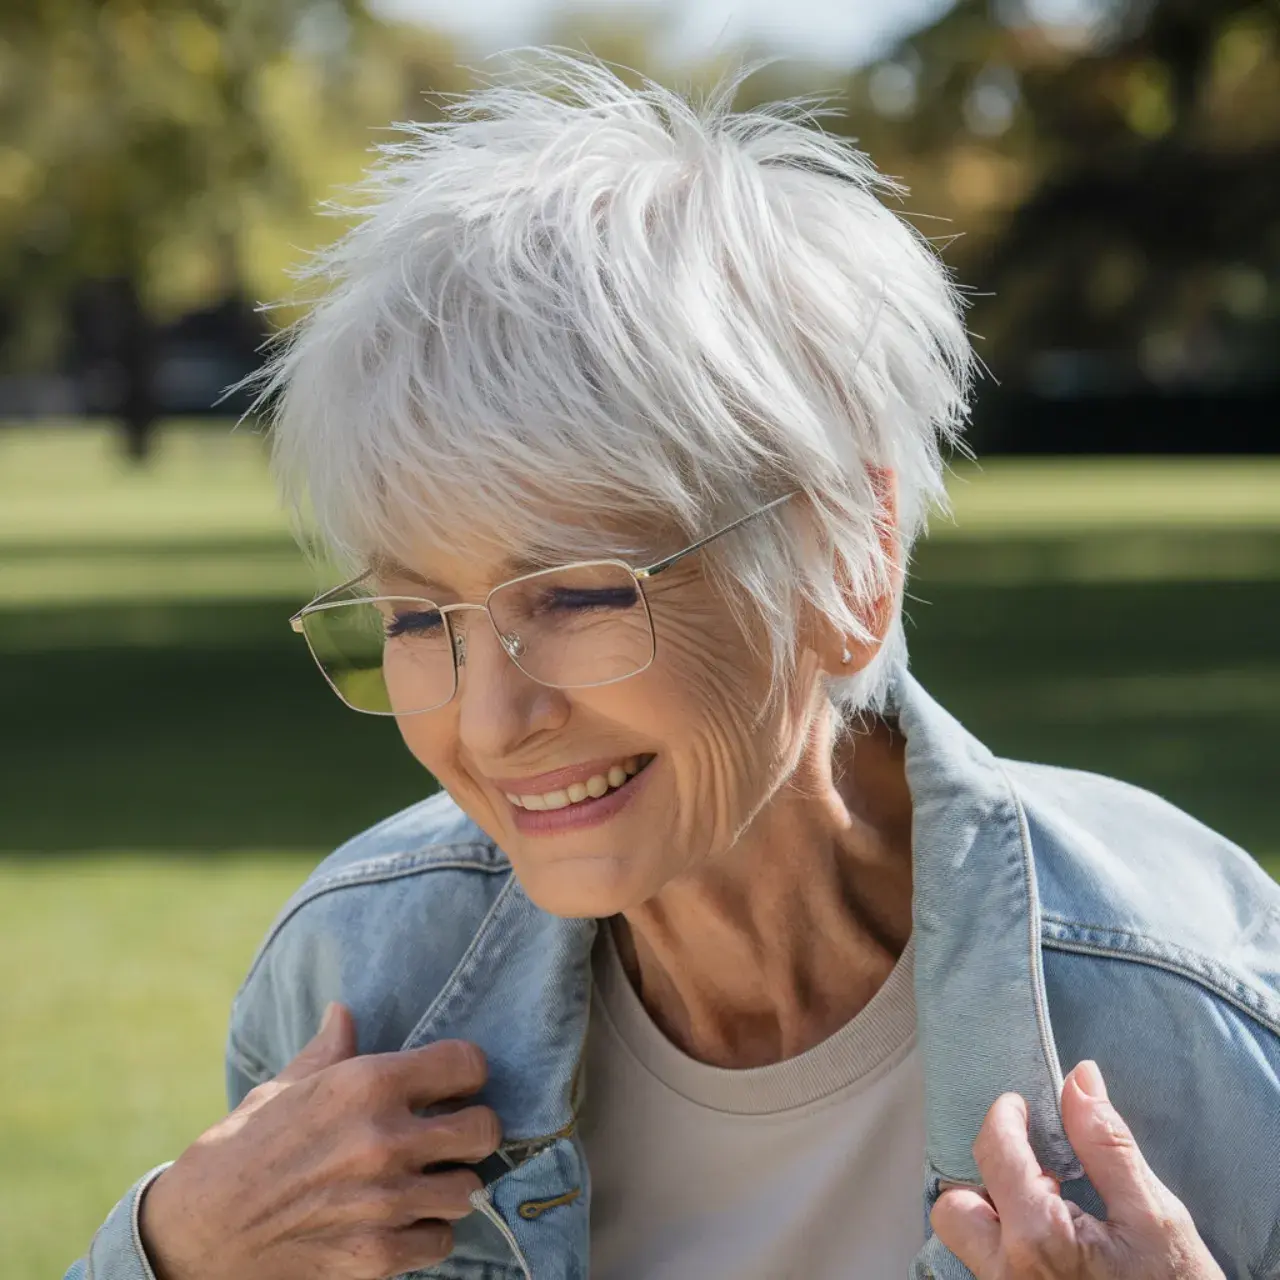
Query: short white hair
571, 304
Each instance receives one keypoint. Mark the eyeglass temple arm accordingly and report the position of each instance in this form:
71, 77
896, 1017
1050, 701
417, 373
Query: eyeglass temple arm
296, 621
650, 570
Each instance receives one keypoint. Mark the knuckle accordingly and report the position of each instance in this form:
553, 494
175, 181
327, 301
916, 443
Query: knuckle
1043, 1248
438, 1240
373, 1255
379, 1209
483, 1129
1025, 1256
472, 1133
260, 1093
367, 1150
1172, 1217
449, 1192
1058, 1226
381, 1254
1112, 1132
361, 1081
461, 1063
940, 1216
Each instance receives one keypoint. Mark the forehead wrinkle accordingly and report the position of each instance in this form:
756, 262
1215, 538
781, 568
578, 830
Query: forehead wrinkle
515, 550
384, 566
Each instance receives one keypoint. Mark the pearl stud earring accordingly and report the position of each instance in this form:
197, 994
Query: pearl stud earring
846, 656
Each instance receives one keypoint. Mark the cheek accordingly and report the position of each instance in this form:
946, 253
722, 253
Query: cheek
431, 741
424, 744
701, 648
711, 687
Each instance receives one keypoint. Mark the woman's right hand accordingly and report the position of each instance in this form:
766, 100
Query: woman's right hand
323, 1171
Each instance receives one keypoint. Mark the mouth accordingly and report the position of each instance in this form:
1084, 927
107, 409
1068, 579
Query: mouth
583, 802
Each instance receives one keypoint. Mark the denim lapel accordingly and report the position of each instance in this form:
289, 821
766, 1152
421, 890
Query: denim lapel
522, 993
982, 1011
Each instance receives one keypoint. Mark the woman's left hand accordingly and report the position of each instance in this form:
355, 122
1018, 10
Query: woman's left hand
1025, 1230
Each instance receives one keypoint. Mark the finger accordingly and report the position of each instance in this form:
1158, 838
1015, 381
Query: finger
445, 1069
1010, 1171
412, 1248
967, 1224
468, 1135
445, 1195
334, 1042
1108, 1151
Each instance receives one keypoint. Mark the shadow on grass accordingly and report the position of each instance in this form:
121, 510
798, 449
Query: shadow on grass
206, 727
183, 727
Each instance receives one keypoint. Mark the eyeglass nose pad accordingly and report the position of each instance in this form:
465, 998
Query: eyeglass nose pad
459, 648
512, 643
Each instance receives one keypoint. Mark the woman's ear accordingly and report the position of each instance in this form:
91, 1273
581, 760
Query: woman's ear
844, 655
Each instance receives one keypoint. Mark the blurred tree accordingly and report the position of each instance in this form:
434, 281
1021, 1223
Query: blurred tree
1111, 190
1115, 186
1153, 237
162, 148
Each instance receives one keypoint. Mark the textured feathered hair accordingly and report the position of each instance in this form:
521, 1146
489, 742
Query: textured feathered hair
573, 307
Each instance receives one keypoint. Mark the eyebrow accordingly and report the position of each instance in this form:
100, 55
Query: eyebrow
385, 566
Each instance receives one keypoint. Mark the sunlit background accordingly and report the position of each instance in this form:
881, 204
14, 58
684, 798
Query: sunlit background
1104, 175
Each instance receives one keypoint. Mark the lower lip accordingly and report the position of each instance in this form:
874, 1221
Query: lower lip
586, 813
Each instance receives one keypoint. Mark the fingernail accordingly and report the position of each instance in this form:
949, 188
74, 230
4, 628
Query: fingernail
1090, 1080
329, 1010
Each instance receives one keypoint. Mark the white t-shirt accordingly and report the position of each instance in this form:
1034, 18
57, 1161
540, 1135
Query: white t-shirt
808, 1169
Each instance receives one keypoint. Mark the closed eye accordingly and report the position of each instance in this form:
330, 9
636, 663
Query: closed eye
417, 622
575, 600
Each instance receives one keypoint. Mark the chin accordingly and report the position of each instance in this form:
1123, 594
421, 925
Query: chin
579, 888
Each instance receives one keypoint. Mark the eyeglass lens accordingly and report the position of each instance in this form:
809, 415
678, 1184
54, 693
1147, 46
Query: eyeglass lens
569, 628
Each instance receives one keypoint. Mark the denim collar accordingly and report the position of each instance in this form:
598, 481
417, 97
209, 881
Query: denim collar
981, 1006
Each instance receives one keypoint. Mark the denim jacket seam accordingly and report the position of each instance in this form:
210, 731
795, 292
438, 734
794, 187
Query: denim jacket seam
373, 870
135, 1226
1171, 958
1034, 930
1268, 1267
464, 960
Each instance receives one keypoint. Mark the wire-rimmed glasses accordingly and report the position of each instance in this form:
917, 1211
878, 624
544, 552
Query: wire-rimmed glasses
577, 626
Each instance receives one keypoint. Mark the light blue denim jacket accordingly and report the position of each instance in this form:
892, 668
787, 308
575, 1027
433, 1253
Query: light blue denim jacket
1058, 915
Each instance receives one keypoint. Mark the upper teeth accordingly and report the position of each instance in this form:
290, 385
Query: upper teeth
595, 786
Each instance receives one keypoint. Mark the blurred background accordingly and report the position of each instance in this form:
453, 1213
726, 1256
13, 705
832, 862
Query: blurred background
1105, 176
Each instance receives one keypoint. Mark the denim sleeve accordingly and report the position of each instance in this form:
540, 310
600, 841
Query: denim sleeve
116, 1252
243, 1072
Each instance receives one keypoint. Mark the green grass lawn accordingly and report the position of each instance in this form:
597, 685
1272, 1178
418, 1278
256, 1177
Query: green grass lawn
171, 763
119, 970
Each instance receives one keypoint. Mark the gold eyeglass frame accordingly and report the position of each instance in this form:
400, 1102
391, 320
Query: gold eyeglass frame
511, 643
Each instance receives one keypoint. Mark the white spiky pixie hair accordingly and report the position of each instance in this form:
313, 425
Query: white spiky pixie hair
573, 307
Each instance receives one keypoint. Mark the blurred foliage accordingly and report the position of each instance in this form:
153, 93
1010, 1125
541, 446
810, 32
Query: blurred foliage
1109, 190
1112, 188
182, 147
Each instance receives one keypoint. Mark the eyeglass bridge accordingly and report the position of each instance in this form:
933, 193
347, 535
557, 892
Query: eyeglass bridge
511, 642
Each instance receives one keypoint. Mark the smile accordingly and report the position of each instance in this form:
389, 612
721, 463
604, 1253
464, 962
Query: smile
584, 802
591, 788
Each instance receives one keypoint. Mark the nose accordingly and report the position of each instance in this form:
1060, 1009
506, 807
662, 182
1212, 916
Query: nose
499, 707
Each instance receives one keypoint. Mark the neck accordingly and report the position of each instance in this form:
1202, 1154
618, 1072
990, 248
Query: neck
773, 947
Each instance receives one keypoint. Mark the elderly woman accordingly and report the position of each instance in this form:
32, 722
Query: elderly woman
724, 951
